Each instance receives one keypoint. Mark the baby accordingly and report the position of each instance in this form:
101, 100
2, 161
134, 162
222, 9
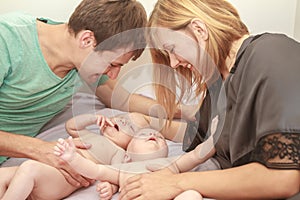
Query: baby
33, 179
146, 144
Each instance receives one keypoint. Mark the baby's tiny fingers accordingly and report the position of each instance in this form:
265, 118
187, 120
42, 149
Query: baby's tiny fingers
98, 120
104, 195
109, 122
57, 153
60, 147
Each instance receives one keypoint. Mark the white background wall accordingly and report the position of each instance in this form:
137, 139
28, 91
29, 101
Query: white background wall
297, 22
259, 15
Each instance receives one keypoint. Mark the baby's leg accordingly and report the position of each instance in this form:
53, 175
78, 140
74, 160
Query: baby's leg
190, 195
39, 181
6, 174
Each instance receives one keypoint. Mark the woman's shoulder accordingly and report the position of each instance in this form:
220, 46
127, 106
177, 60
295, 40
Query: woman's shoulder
270, 52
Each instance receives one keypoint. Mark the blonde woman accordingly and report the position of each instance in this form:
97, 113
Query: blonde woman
247, 82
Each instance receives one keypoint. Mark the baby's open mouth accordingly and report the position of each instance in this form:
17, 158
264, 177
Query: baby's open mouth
116, 127
152, 139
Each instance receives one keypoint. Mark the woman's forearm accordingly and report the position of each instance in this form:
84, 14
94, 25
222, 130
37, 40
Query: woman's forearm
251, 181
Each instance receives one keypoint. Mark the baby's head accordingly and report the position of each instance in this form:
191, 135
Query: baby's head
147, 144
122, 132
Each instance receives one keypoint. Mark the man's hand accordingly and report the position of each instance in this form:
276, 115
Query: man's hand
46, 156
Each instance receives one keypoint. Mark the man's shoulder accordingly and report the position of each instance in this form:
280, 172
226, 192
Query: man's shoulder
16, 18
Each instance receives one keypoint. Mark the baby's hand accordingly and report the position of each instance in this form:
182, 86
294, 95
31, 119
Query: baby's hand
103, 121
65, 149
105, 190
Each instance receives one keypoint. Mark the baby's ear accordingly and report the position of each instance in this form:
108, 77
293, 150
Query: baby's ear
127, 158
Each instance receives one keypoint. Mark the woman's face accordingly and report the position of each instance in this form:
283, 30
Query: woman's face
181, 46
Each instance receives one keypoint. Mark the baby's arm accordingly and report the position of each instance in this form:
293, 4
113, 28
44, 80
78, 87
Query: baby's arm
80, 122
66, 150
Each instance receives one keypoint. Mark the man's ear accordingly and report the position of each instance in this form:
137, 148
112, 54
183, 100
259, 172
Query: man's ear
86, 39
127, 158
199, 28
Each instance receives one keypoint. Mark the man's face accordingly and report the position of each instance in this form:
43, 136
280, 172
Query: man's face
104, 63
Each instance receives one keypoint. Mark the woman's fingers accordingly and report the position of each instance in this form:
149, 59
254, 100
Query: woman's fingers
131, 188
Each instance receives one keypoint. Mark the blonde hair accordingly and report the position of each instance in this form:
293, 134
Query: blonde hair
224, 26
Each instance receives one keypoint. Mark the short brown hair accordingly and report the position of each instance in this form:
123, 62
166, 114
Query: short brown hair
108, 18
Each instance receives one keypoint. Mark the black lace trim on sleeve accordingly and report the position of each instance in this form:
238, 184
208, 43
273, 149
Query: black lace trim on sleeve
279, 150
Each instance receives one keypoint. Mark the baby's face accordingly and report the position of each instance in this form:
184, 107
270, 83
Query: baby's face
148, 141
121, 134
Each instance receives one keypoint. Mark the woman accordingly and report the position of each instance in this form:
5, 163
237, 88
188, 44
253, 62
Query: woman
253, 97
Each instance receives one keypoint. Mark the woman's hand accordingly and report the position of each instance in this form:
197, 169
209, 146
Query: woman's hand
155, 185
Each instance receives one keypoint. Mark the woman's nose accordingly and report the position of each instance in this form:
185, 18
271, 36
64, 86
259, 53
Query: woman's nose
174, 62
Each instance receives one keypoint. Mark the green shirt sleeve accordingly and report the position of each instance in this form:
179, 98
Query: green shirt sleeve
102, 79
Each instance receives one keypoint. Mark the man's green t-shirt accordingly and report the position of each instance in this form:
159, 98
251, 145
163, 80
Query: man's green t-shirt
30, 93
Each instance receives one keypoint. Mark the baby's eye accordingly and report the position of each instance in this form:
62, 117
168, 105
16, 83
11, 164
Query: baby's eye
116, 127
124, 122
172, 50
143, 135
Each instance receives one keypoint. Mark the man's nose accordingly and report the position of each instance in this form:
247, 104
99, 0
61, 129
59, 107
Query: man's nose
113, 72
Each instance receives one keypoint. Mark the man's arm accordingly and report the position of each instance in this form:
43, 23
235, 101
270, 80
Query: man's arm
14, 145
175, 131
117, 97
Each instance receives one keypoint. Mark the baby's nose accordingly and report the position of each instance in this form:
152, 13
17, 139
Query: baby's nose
153, 134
